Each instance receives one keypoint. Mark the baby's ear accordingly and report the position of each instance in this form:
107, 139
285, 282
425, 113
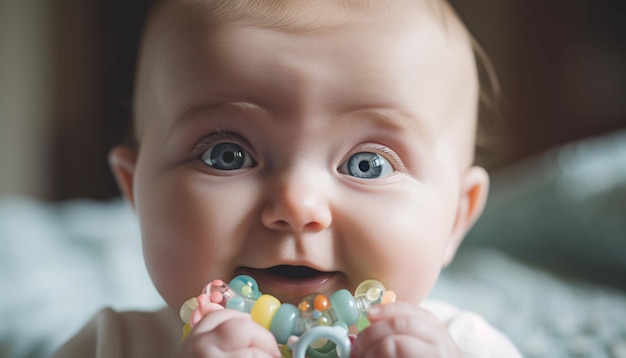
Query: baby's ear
123, 160
473, 196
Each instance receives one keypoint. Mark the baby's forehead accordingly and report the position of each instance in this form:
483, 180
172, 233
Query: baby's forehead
174, 20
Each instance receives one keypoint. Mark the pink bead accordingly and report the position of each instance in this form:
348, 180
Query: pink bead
216, 297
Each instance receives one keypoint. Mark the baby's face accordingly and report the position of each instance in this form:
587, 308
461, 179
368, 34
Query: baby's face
311, 161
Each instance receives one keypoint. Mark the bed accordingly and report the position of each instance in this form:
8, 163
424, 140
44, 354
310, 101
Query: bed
546, 263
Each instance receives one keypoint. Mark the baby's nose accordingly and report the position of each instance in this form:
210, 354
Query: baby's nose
298, 202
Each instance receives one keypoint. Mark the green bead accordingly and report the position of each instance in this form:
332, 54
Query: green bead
362, 323
284, 321
345, 307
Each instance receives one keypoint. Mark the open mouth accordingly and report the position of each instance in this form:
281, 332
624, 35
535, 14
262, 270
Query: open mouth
293, 272
291, 282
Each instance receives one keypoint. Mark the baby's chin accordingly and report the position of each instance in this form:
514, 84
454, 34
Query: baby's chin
290, 284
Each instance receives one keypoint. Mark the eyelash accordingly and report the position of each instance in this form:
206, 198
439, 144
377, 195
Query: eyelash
212, 139
386, 152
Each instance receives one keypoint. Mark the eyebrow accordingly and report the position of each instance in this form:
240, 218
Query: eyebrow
387, 116
395, 119
212, 106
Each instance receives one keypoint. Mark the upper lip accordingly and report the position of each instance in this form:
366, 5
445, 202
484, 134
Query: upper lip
294, 263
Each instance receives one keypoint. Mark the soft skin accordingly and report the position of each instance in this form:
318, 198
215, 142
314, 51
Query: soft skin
299, 105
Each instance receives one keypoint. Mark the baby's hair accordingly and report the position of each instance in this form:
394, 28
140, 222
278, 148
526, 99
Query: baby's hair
488, 145
296, 16
303, 16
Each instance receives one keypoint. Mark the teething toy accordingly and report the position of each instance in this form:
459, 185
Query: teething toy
317, 327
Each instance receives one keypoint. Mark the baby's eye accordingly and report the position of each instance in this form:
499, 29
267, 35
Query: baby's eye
366, 165
227, 156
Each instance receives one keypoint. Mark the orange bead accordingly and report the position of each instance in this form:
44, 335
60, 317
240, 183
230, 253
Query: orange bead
321, 303
388, 297
303, 306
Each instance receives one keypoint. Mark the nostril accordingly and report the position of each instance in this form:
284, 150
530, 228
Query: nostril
280, 225
313, 227
284, 225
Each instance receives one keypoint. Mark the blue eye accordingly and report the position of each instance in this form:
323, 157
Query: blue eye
227, 156
367, 165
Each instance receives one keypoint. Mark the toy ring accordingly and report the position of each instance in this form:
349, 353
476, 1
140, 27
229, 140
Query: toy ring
317, 327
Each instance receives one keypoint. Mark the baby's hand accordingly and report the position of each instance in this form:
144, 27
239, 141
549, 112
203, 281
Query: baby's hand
228, 333
402, 330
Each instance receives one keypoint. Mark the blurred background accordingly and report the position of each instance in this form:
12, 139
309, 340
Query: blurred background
66, 76
547, 266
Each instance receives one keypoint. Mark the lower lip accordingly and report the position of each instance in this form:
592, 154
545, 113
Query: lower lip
289, 288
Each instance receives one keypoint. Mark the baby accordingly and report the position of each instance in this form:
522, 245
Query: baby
311, 145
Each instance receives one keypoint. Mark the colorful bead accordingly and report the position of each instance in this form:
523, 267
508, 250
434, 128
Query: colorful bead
362, 323
218, 291
321, 303
264, 310
345, 307
246, 286
313, 318
186, 330
187, 308
388, 297
236, 303
368, 293
284, 322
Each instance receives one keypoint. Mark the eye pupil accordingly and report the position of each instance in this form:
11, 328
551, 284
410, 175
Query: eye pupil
367, 165
229, 156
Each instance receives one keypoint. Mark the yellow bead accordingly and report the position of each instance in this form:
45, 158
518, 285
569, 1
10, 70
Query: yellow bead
187, 308
264, 310
186, 330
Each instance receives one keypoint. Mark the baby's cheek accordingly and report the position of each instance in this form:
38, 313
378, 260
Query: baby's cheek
413, 282
405, 256
181, 248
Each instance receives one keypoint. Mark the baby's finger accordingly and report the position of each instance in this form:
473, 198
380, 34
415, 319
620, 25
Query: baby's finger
234, 334
381, 330
399, 319
214, 319
400, 308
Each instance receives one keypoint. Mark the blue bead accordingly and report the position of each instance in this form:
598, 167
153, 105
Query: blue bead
246, 286
236, 303
345, 307
282, 326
